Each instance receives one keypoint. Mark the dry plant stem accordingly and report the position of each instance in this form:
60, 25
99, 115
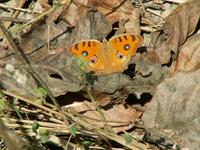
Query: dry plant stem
30, 102
48, 38
56, 120
28, 67
147, 29
68, 142
134, 145
151, 24
177, 1
12, 141
33, 20
19, 9
13, 126
66, 4
46, 111
96, 106
154, 12
15, 13
41, 123
18, 20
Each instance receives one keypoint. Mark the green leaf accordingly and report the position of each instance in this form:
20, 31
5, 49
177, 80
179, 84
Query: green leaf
2, 95
88, 143
3, 104
72, 131
128, 138
44, 135
41, 92
35, 125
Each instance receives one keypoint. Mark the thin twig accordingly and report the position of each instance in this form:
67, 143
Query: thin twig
17, 20
41, 123
19, 9
33, 20
177, 1
96, 106
29, 102
113, 136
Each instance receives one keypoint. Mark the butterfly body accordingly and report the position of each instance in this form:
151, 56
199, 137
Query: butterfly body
107, 56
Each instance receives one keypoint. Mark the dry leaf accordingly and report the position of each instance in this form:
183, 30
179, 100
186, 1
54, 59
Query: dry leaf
42, 35
117, 10
188, 58
118, 117
180, 24
175, 106
90, 27
58, 70
114, 11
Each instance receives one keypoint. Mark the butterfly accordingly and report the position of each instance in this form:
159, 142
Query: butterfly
108, 56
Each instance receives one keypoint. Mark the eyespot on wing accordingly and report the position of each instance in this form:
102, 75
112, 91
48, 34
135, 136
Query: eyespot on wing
125, 43
85, 49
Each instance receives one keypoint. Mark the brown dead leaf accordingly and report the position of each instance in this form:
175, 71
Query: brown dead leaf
180, 24
175, 106
71, 13
113, 10
116, 10
118, 117
188, 58
42, 38
44, 4
57, 69
90, 27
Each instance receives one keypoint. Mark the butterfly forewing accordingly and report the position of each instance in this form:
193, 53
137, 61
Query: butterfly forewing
120, 49
125, 43
91, 51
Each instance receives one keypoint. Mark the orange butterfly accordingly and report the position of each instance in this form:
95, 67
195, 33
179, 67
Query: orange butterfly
107, 56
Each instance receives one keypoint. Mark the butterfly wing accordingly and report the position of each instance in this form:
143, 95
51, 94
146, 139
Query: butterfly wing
90, 51
120, 49
107, 57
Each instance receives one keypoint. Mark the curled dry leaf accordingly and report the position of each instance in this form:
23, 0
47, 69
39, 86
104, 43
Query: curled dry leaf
118, 117
175, 106
180, 24
188, 58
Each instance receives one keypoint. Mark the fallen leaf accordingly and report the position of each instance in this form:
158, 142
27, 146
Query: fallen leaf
188, 58
114, 11
117, 10
117, 117
175, 106
90, 27
178, 26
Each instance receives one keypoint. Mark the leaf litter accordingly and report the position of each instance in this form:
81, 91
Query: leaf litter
167, 69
